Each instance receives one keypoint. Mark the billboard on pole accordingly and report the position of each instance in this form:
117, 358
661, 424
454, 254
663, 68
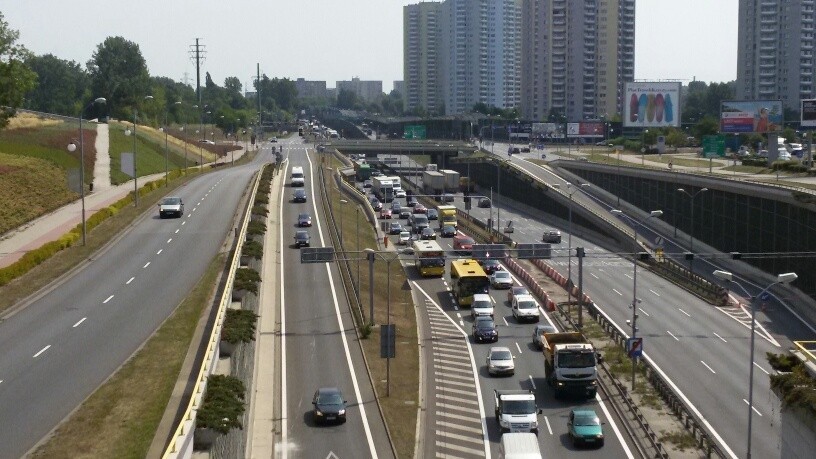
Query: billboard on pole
651, 104
548, 130
585, 129
808, 113
744, 116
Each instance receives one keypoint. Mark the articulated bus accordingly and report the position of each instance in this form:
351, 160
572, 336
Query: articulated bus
430, 258
468, 278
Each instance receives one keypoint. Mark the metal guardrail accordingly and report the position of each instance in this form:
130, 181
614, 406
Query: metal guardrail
181, 443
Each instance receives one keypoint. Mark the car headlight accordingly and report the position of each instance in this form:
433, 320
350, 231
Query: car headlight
534, 424
504, 423
341, 412
318, 413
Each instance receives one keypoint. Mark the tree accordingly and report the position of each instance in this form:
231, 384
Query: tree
119, 73
346, 99
16, 78
61, 88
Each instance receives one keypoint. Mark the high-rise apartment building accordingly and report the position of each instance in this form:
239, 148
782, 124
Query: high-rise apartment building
421, 29
368, 91
776, 45
306, 88
576, 58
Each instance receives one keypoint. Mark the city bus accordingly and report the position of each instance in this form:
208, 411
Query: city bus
467, 279
430, 258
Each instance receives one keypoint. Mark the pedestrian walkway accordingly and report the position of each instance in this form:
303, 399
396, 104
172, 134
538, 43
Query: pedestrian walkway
102, 173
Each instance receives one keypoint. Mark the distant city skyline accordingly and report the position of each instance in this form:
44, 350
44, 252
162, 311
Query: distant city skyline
330, 40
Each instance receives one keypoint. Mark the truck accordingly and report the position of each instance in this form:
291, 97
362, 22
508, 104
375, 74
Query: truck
570, 364
447, 216
362, 170
430, 167
383, 188
451, 180
433, 182
516, 410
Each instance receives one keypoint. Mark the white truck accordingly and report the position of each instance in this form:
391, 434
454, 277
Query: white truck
383, 188
516, 410
570, 364
451, 180
433, 182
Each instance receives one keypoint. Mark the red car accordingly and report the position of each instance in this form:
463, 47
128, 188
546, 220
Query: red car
420, 209
463, 243
385, 213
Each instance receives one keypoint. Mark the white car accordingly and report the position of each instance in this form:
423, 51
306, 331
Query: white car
404, 238
525, 307
400, 193
171, 206
501, 279
500, 361
482, 305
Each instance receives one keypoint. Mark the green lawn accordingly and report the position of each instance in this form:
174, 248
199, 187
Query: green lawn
149, 153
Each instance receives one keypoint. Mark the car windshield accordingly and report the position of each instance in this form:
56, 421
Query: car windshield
501, 355
304, 216
484, 324
502, 275
576, 359
171, 201
587, 420
520, 291
519, 407
527, 304
330, 399
466, 241
482, 304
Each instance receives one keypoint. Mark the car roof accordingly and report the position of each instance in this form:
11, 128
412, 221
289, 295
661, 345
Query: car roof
301, 233
584, 412
481, 297
525, 297
328, 391
499, 349
501, 273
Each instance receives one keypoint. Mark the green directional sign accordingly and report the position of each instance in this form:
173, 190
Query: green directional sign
414, 132
713, 146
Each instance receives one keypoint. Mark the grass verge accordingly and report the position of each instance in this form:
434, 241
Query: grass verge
121, 417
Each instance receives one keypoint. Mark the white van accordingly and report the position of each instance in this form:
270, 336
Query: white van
297, 177
519, 445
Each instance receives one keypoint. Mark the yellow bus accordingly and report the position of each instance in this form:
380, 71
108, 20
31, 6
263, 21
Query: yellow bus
430, 258
468, 278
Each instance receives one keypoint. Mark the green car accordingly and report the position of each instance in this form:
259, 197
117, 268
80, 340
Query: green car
585, 427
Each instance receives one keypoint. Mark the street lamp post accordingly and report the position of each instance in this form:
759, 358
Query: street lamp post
343, 202
570, 191
691, 230
135, 171
785, 278
166, 152
72, 148
654, 213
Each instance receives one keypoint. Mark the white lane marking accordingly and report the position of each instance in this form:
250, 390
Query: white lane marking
159, 252
720, 337
647, 314
170, 240
42, 350
596, 277
180, 230
753, 407
684, 312
107, 299
709, 368
284, 418
547, 421
672, 335
614, 426
763, 370
129, 281
532, 383
656, 294
194, 209
505, 321
676, 390
342, 327
80, 322
146, 265
616, 291
630, 277
518, 347
184, 223
473, 367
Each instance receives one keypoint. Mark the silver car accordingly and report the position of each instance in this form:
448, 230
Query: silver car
500, 361
171, 206
501, 279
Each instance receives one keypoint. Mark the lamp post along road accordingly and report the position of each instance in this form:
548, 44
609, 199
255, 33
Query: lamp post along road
785, 278
72, 148
691, 230
570, 191
654, 213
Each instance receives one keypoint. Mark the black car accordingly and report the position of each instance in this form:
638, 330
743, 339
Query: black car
484, 330
396, 207
376, 204
302, 238
405, 213
304, 220
448, 231
396, 228
491, 266
428, 234
367, 184
299, 195
412, 201
329, 405
432, 214
484, 203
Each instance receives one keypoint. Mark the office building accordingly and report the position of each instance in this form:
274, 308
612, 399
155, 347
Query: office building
775, 44
368, 91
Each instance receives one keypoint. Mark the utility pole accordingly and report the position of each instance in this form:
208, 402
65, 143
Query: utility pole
197, 54
260, 116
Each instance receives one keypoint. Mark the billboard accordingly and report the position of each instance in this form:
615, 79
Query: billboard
744, 116
808, 113
548, 130
655, 104
585, 130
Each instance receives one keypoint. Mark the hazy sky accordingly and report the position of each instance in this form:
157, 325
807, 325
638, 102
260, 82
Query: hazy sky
333, 39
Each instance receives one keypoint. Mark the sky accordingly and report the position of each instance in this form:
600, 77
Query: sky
333, 40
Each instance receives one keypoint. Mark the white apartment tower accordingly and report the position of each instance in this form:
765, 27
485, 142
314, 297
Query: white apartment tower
775, 46
421, 67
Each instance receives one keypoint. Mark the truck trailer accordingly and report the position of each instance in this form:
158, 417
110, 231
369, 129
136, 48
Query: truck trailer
451, 180
433, 182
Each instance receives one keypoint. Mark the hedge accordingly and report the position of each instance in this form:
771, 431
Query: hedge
223, 404
239, 326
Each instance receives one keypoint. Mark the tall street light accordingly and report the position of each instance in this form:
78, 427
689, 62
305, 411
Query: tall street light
135, 172
785, 278
72, 148
184, 140
343, 203
656, 214
166, 150
570, 190
691, 230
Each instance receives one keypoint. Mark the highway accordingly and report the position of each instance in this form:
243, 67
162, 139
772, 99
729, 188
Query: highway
319, 344
59, 348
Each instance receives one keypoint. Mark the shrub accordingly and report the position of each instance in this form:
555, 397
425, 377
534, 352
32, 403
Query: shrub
261, 198
247, 279
256, 228
252, 249
223, 404
260, 210
239, 326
